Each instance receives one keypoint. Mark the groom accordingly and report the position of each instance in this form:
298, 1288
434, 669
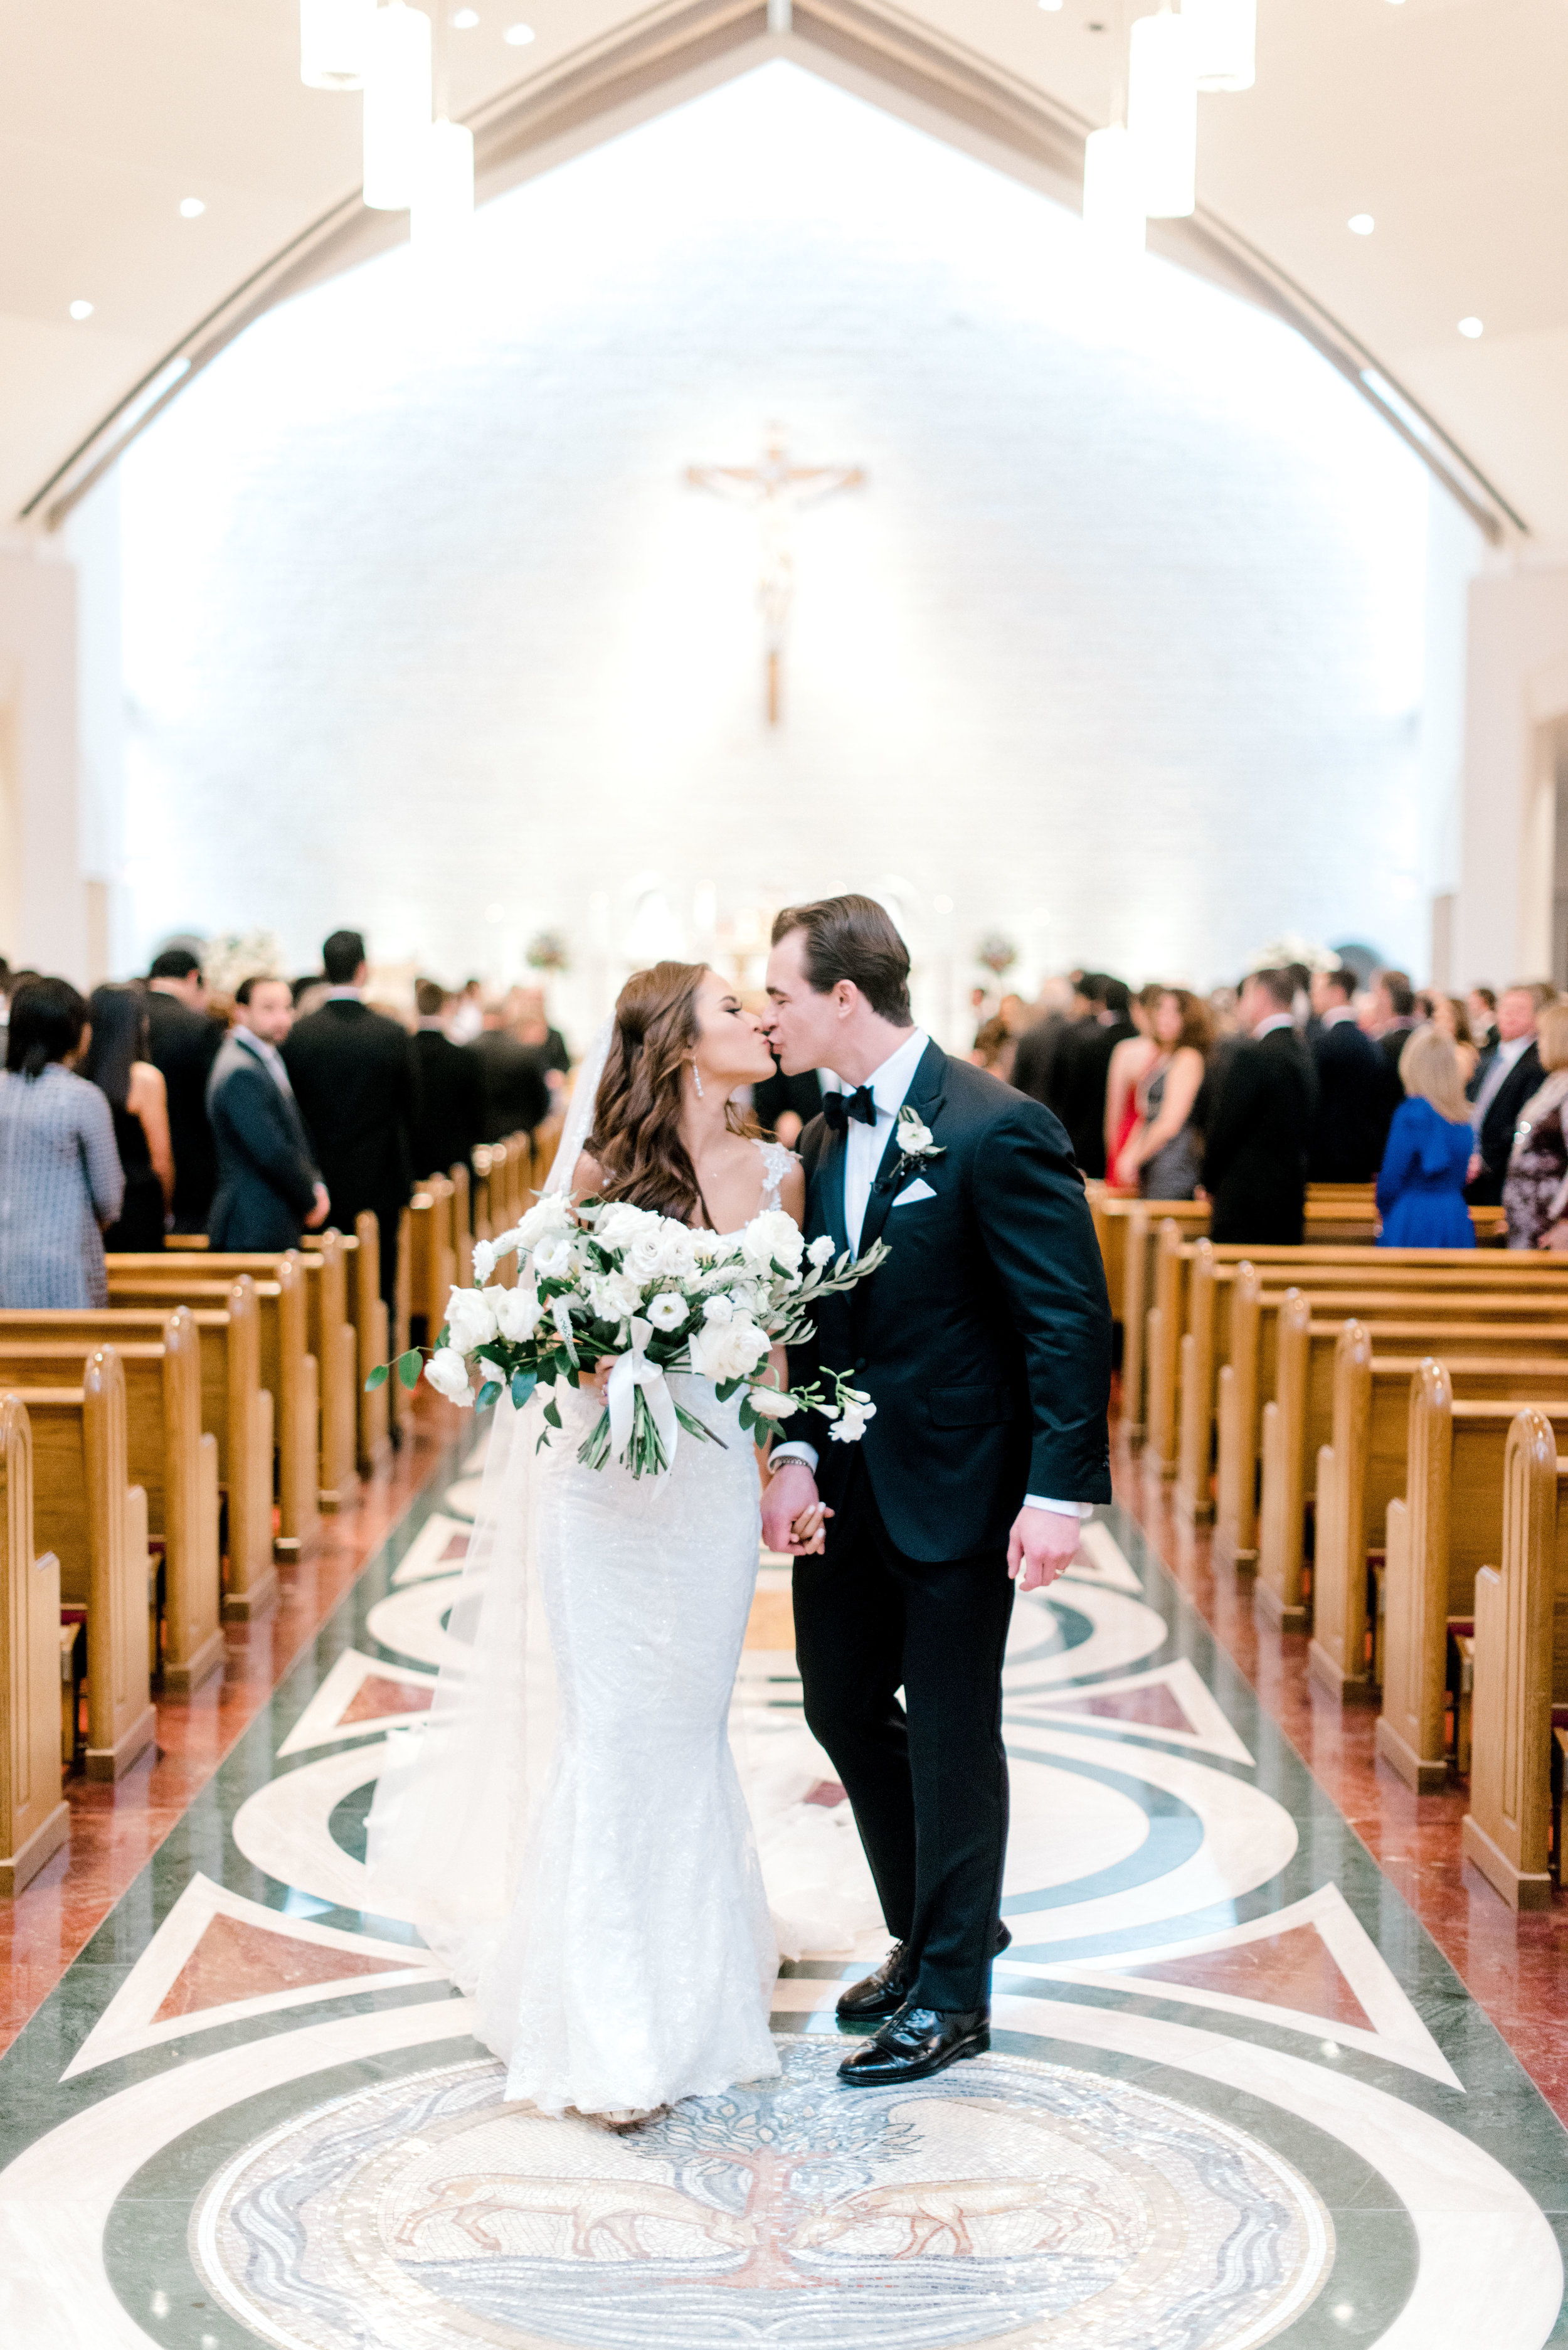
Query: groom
985, 1344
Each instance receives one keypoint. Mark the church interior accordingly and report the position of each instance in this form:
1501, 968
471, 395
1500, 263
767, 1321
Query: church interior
493, 502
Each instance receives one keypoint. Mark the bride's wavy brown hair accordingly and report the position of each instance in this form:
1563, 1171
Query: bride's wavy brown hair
637, 1113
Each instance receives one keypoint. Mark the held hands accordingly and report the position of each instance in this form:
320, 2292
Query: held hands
793, 1520
1041, 1546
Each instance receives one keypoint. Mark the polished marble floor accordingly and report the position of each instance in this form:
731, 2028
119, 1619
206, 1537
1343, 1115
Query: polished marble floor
1237, 2091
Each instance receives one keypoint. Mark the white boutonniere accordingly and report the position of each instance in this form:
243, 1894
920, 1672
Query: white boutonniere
913, 1138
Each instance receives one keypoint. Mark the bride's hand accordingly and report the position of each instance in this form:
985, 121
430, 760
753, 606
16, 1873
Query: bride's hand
594, 1382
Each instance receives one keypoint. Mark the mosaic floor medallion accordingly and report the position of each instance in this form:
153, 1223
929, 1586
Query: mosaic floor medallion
1005, 2202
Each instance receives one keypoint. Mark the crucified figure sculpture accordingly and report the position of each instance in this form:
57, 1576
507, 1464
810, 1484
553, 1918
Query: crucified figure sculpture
777, 491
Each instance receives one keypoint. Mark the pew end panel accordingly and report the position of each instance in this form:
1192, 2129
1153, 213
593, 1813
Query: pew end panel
35, 1819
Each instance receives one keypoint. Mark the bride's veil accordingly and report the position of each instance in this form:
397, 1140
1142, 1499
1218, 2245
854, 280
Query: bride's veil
448, 1822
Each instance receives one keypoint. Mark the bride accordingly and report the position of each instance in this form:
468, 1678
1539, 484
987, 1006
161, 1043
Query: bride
615, 1932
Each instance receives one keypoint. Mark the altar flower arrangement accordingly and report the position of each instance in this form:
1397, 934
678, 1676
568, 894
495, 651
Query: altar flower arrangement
596, 1281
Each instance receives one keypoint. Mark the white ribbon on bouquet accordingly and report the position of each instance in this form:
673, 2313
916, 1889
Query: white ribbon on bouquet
632, 1371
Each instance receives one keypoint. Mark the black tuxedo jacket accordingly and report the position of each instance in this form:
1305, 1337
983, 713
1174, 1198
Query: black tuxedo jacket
353, 1078
266, 1177
1355, 1105
184, 1045
514, 1088
1496, 1137
449, 1116
985, 1341
1079, 1073
1255, 1153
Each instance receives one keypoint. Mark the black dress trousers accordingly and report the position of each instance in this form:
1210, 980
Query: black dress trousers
870, 1621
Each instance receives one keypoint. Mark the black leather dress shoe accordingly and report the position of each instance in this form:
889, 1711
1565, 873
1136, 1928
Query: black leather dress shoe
885, 1992
916, 2043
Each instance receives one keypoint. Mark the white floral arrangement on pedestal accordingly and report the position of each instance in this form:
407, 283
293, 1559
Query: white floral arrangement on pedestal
599, 1281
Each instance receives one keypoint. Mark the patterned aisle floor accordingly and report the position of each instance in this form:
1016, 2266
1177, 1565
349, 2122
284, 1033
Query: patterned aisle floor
1236, 2093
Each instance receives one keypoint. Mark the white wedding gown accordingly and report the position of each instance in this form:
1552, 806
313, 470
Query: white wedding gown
638, 1962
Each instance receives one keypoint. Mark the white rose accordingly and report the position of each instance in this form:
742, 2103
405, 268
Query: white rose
661, 1251
667, 1311
469, 1320
772, 1237
821, 1250
718, 1309
517, 1314
613, 1295
727, 1350
553, 1257
620, 1223
448, 1374
770, 1403
913, 1136
546, 1216
484, 1260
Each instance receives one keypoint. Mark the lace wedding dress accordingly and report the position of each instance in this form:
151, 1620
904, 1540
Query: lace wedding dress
635, 1962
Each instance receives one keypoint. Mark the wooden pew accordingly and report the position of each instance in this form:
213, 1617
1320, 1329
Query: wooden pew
88, 1512
398, 1402
1446, 1529
1249, 1377
1363, 1468
1298, 1418
1521, 1671
432, 1254
235, 1408
373, 1341
461, 1224
172, 1460
288, 1370
1194, 1282
34, 1818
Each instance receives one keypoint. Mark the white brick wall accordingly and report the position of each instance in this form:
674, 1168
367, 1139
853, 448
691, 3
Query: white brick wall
1119, 650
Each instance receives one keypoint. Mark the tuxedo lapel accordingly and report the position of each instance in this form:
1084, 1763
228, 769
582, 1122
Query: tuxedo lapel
926, 1094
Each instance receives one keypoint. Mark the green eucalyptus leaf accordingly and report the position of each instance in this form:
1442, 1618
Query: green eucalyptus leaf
523, 1385
377, 1377
410, 1366
489, 1393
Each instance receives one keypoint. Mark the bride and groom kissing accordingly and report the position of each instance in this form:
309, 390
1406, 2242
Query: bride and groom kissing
605, 1905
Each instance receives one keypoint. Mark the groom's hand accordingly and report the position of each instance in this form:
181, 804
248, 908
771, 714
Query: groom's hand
789, 1494
1042, 1546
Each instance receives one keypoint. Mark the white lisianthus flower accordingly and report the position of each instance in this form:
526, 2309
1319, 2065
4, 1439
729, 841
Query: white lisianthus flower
517, 1314
546, 1216
469, 1320
771, 1403
727, 1350
553, 1258
661, 1249
667, 1311
448, 1374
484, 1260
613, 1295
620, 1223
849, 1426
821, 1251
772, 1237
718, 1309
914, 1136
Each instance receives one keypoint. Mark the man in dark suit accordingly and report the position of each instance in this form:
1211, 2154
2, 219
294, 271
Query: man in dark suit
353, 1076
783, 1106
514, 1079
1082, 1066
1255, 1153
1036, 1055
984, 1345
449, 1117
269, 1190
183, 1041
1350, 1125
1503, 1082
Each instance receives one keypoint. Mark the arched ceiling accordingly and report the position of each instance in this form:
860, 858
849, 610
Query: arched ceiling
1446, 120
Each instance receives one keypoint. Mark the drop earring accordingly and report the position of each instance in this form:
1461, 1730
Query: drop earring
697, 1078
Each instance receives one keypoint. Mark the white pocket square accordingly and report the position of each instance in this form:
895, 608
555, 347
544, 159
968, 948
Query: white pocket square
917, 1190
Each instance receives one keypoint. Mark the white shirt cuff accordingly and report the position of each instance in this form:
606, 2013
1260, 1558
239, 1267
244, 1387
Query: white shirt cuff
1063, 1509
795, 1451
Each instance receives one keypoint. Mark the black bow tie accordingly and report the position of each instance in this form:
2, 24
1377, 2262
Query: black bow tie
839, 1109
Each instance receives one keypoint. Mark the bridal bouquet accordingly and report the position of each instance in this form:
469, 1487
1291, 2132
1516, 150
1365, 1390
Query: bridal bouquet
623, 1283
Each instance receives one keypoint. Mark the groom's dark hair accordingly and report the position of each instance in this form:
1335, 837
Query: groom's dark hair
853, 937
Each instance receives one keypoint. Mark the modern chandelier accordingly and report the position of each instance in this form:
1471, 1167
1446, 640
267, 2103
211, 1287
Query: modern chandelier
415, 158
1146, 161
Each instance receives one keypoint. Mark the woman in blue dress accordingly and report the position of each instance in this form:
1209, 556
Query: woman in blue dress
1421, 1183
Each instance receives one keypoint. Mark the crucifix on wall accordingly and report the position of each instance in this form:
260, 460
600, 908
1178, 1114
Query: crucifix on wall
777, 491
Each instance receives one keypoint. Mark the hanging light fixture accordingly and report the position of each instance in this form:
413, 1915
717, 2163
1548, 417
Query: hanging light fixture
1162, 113
397, 106
1112, 192
1224, 35
444, 192
333, 39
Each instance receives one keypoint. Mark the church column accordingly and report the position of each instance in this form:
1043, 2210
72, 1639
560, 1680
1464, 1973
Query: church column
1516, 726
43, 906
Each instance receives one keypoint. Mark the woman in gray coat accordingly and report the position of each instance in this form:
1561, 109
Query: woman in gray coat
60, 1177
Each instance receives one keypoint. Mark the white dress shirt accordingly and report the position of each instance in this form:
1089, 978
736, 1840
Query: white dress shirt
268, 1055
1341, 1012
863, 1148
1501, 1062
1267, 1027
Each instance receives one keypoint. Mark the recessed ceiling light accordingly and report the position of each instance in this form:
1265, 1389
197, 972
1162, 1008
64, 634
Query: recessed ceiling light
81, 309
518, 35
465, 20
192, 207
1051, 7
1361, 224
1471, 327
